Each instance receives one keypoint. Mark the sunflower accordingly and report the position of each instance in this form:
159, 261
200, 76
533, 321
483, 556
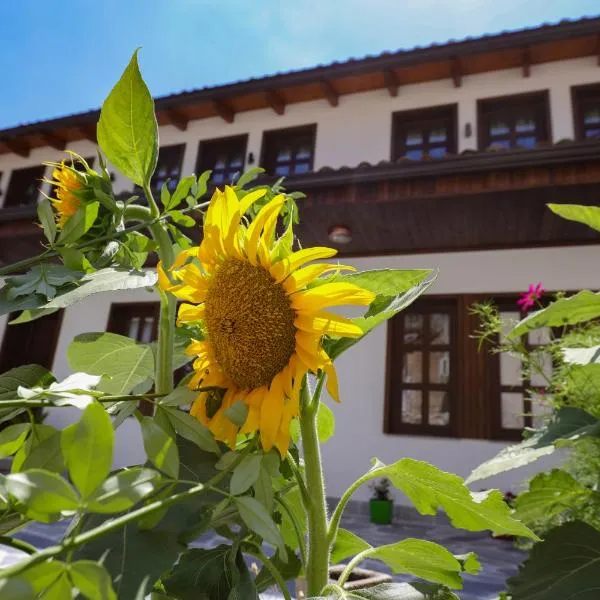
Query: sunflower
261, 306
66, 180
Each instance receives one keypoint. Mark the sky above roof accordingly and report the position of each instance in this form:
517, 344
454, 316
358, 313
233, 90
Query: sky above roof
63, 57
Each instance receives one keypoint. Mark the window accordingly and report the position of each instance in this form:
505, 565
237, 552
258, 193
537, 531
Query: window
421, 369
586, 111
514, 121
23, 187
513, 408
420, 133
224, 157
289, 151
170, 160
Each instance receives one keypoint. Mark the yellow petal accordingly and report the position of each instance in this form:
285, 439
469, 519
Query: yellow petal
284, 267
163, 281
324, 322
198, 409
252, 423
302, 277
271, 413
190, 313
253, 237
196, 348
282, 442
332, 380
331, 294
249, 199
268, 236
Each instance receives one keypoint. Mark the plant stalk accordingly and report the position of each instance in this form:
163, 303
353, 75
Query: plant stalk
317, 571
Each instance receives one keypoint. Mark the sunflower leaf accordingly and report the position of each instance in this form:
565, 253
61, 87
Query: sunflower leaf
588, 215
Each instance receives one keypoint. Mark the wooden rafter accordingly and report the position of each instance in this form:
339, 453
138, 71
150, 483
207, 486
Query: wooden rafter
20, 147
224, 110
177, 118
331, 94
456, 69
54, 141
526, 62
392, 82
275, 101
598, 50
88, 132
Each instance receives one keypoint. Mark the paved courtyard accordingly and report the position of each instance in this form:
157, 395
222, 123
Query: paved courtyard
499, 558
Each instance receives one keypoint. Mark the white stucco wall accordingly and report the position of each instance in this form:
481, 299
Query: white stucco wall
359, 428
359, 129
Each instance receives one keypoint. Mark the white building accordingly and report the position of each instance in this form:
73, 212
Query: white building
442, 157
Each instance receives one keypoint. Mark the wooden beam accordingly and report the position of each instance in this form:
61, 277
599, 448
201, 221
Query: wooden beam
275, 101
89, 133
456, 72
55, 141
224, 110
392, 82
20, 147
331, 94
526, 62
177, 118
598, 50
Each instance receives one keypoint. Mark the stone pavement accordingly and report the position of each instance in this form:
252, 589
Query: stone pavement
499, 558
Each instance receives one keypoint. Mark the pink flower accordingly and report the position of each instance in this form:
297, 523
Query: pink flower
531, 296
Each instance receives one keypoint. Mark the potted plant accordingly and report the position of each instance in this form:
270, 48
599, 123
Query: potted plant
381, 505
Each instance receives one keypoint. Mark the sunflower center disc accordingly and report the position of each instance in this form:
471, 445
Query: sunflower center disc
250, 323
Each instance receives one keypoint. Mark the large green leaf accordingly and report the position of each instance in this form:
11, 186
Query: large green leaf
565, 566
41, 576
127, 130
257, 519
25, 376
588, 215
103, 280
47, 219
122, 491
245, 474
583, 306
397, 297
92, 580
569, 424
347, 544
431, 489
40, 451
160, 447
12, 438
16, 589
551, 494
394, 591
87, 447
191, 429
203, 574
123, 363
42, 491
80, 223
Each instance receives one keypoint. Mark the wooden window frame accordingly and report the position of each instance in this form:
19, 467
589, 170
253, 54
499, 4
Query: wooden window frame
579, 95
394, 383
202, 151
40, 168
275, 137
161, 150
510, 104
418, 119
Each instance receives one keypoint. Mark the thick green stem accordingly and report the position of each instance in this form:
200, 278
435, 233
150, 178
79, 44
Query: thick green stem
339, 509
317, 571
166, 334
5, 540
354, 563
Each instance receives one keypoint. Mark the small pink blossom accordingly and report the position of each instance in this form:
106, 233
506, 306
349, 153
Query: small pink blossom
531, 296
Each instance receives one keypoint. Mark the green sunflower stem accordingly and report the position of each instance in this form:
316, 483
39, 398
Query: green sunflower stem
317, 571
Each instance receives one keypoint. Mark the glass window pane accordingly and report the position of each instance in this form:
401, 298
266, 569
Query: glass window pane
221, 161
525, 125
541, 373
526, 142
439, 408
439, 329
414, 154
510, 369
412, 371
438, 152
412, 402
303, 152
148, 326
301, 167
439, 367
540, 336
414, 138
500, 144
282, 170
592, 133
499, 127
134, 326
541, 409
512, 410
437, 135
413, 329
592, 116
236, 162
218, 177
284, 154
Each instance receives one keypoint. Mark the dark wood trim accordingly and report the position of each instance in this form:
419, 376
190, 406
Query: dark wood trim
177, 118
514, 100
456, 72
276, 101
54, 141
331, 94
526, 62
224, 110
88, 132
270, 134
392, 82
577, 91
18, 146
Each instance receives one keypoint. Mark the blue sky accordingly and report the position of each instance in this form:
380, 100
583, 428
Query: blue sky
61, 57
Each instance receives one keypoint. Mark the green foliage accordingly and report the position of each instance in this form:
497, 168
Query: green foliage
347, 544
257, 519
160, 447
245, 475
92, 580
588, 215
127, 130
121, 362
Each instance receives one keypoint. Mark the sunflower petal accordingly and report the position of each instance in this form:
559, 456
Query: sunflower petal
190, 313
324, 322
250, 198
284, 267
331, 294
300, 278
271, 413
253, 237
332, 380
